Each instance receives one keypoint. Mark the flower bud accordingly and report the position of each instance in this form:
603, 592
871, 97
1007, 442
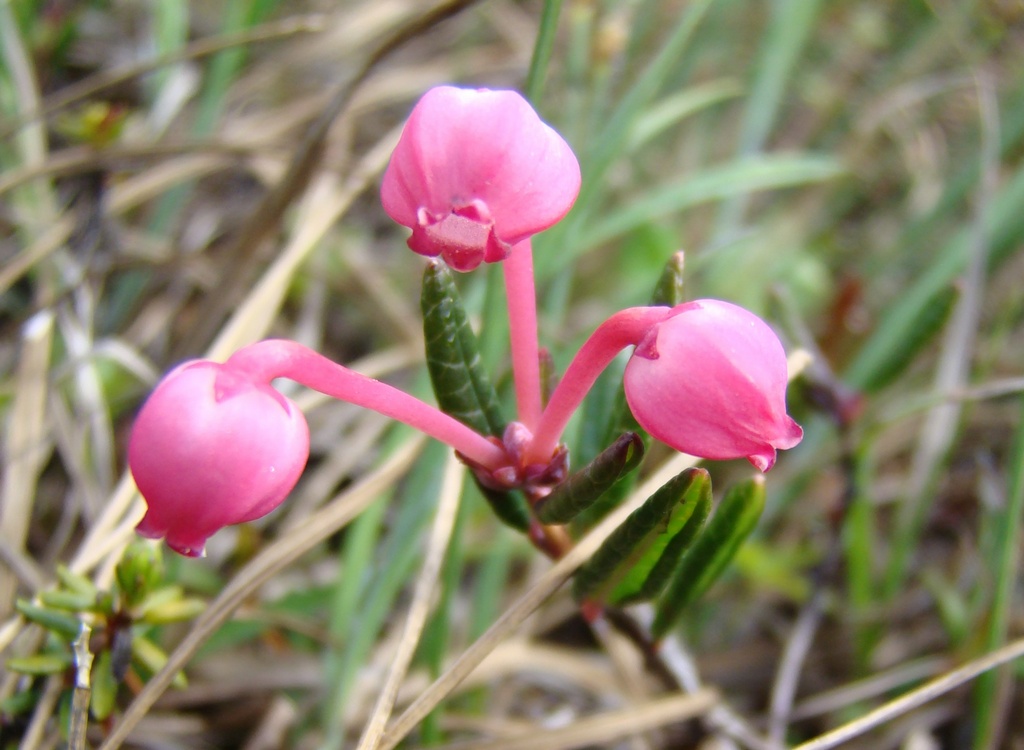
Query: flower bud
474, 173
213, 447
710, 380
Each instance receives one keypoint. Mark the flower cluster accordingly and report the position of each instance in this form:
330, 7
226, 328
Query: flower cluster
475, 175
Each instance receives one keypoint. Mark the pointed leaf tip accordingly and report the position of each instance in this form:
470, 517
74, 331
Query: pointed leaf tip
586, 486
711, 553
621, 566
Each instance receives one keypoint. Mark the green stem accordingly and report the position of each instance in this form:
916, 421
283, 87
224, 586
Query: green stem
986, 691
542, 50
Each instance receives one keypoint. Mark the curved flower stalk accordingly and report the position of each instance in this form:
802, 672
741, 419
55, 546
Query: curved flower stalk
706, 377
475, 174
217, 445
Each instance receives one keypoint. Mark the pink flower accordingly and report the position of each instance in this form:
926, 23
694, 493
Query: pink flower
476, 172
710, 380
212, 447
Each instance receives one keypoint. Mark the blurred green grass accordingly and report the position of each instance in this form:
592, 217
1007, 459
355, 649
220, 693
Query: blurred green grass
832, 155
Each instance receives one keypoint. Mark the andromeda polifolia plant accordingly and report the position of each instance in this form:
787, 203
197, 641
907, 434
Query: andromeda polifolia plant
475, 174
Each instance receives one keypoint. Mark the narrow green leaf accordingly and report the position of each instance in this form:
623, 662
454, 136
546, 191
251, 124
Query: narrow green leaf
104, 687
460, 383
735, 519
742, 176
650, 575
178, 610
40, 664
139, 571
20, 703
69, 601
60, 623
917, 332
509, 507
670, 290
158, 598
579, 491
153, 658
75, 582
641, 539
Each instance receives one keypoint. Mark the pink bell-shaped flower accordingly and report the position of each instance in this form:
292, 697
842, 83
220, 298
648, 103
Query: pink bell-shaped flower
710, 380
213, 446
476, 172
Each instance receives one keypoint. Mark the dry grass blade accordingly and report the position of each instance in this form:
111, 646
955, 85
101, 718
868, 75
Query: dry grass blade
915, 698
304, 164
603, 728
281, 553
868, 688
26, 448
94, 84
426, 583
81, 159
526, 604
327, 203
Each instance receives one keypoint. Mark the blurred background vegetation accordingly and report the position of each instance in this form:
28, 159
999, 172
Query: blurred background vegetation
181, 178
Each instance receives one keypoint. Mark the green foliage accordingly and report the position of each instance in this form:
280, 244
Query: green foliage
582, 489
711, 553
619, 570
461, 384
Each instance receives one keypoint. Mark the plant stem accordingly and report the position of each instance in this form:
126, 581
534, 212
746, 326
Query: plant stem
276, 358
522, 323
624, 328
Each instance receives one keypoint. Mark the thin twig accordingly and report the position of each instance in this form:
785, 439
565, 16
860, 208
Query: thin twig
869, 687
915, 698
604, 728
304, 164
423, 593
787, 678
82, 159
105, 79
79, 724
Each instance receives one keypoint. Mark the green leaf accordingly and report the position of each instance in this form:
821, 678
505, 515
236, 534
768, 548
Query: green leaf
735, 519
178, 610
62, 624
580, 490
40, 664
139, 571
69, 601
75, 582
628, 556
158, 598
743, 176
509, 507
650, 575
460, 383
917, 332
20, 703
153, 658
104, 687
669, 290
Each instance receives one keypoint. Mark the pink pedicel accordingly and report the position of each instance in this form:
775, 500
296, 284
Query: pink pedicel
710, 380
213, 447
474, 173
216, 445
